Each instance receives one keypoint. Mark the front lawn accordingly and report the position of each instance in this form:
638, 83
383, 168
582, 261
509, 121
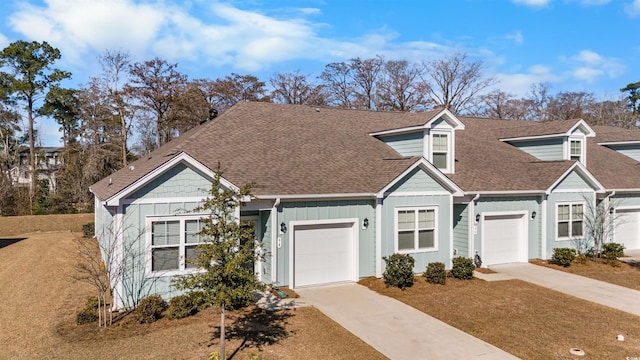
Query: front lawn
620, 273
526, 320
39, 299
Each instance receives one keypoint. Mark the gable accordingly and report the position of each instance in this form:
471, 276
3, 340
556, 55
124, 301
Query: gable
573, 181
416, 181
180, 180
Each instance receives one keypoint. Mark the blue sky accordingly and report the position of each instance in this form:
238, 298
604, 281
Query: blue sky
572, 45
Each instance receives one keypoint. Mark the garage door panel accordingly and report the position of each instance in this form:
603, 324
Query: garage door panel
323, 254
627, 231
503, 239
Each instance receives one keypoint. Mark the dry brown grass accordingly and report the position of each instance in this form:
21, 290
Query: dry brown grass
619, 273
39, 300
526, 320
17, 225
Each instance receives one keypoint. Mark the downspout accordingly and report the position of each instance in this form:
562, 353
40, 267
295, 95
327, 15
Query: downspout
472, 229
274, 241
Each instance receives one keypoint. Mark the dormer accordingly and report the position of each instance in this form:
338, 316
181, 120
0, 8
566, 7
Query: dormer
552, 141
434, 140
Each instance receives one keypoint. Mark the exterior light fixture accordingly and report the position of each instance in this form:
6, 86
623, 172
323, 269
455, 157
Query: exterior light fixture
478, 218
365, 223
283, 228
611, 211
533, 215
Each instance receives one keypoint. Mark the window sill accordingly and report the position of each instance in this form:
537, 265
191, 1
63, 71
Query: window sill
417, 251
168, 273
569, 238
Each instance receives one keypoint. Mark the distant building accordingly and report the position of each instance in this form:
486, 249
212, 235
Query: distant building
48, 160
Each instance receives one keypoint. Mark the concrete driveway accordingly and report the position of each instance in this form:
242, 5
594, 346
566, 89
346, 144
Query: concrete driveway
396, 330
614, 296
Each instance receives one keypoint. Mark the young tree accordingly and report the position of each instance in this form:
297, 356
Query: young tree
600, 221
226, 256
29, 78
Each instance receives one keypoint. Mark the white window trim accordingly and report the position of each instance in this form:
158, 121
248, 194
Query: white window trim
450, 149
415, 250
583, 148
566, 238
181, 246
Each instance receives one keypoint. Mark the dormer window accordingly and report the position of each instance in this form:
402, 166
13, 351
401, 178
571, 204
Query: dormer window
440, 151
575, 150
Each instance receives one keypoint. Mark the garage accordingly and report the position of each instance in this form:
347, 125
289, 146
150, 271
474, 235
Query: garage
627, 231
323, 254
504, 238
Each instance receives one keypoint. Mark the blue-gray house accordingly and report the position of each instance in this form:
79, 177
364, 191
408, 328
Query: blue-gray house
337, 190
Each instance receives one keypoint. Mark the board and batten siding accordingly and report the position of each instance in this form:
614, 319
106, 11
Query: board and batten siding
545, 150
559, 197
410, 144
327, 210
573, 181
513, 204
443, 204
179, 181
632, 151
461, 229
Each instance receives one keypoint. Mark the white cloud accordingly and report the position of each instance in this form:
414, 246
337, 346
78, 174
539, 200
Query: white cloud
589, 66
4, 41
516, 37
633, 8
533, 3
594, 2
310, 11
520, 83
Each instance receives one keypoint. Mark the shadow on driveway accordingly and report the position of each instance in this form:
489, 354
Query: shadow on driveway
9, 241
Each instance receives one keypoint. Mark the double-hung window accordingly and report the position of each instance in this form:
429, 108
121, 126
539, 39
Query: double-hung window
570, 221
440, 151
172, 241
416, 229
575, 150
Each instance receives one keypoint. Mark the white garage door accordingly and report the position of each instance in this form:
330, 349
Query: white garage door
323, 254
503, 239
627, 231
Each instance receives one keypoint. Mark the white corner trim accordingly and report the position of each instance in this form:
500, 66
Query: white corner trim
378, 238
449, 117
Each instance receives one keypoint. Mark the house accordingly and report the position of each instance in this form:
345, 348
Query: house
337, 190
48, 160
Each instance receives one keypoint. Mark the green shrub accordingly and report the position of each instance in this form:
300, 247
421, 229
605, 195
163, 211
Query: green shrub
563, 256
581, 259
612, 251
199, 300
149, 309
181, 307
435, 273
462, 268
89, 230
399, 271
89, 313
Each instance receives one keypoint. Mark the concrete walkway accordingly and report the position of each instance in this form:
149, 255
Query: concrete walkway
614, 296
396, 330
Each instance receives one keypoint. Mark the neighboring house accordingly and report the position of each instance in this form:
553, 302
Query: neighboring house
337, 190
48, 160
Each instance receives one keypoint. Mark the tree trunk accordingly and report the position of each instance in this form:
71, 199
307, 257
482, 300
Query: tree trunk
222, 356
32, 157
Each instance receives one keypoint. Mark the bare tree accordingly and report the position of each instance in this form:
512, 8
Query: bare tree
400, 88
454, 81
613, 113
115, 78
337, 82
223, 93
295, 88
365, 74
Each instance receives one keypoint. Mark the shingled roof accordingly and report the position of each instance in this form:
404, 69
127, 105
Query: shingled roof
303, 150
